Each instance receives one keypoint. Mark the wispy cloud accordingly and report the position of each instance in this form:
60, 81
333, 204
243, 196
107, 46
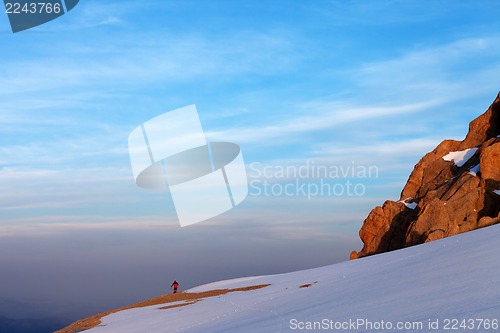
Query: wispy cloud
386, 150
386, 13
454, 70
321, 116
91, 14
418, 80
41, 226
150, 58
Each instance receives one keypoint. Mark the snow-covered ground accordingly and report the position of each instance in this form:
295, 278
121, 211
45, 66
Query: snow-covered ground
450, 283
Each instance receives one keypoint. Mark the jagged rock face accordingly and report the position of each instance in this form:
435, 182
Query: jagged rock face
450, 197
490, 165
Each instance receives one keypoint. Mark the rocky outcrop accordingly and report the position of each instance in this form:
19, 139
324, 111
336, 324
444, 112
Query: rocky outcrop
452, 189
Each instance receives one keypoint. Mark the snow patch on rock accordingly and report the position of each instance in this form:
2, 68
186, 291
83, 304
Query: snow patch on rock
410, 205
474, 170
460, 157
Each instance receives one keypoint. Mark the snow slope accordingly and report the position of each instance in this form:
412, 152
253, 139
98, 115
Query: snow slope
457, 278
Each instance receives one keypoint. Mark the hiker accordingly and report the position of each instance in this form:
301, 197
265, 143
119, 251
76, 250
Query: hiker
175, 285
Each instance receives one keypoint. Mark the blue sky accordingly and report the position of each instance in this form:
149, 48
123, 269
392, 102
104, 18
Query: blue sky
337, 83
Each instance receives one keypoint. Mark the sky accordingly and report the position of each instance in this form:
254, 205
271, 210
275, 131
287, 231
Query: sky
362, 89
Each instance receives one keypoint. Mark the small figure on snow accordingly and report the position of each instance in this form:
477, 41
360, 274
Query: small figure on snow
175, 285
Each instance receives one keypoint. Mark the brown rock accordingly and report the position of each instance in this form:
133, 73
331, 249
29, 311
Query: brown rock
486, 221
379, 235
450, 199
484, 127
490, 164
429, 171
441, 219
